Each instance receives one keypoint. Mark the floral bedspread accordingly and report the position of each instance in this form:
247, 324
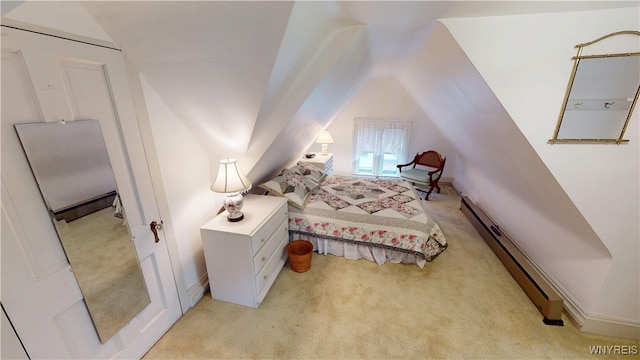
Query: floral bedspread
373, 212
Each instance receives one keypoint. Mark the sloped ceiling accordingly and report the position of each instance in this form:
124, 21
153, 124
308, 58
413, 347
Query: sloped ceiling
227, 68
241, 74
500, 161
210, 61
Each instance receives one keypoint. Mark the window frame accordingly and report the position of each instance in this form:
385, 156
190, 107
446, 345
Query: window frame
376, 149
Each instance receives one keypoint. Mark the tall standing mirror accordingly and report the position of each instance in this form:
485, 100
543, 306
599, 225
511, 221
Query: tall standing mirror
601, 95
70, 164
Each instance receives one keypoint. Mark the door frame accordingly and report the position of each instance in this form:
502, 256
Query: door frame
148, 144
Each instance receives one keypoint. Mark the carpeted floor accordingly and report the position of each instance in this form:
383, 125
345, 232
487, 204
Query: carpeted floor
105, 263
463, 305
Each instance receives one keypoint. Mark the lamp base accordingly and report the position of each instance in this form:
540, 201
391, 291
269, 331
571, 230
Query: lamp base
324, 150
233, 205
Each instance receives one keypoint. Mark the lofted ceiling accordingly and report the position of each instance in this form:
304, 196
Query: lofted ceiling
240, 74
222, 65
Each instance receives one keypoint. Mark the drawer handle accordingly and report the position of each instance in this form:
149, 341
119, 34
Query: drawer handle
264, 277
264, 258
262, 240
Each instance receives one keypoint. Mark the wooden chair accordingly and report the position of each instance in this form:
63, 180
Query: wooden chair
428, 174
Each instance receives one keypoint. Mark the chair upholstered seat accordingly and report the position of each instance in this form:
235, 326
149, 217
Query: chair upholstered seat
417, 176
430, 166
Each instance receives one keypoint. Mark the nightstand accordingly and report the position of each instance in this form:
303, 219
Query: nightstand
324, 162
244, 258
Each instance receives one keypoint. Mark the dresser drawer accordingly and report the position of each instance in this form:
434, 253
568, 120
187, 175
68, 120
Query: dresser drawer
244, 258
328, 168
262, 236
272, 268
265, 252
329, 164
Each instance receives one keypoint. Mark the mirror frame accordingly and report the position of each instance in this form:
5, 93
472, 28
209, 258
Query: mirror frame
577, 59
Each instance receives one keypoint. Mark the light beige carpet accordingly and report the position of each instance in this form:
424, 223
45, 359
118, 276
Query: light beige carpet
105, 263
463, 305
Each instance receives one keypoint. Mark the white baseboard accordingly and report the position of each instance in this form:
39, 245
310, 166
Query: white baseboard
611, 327
446, 180
601, 325
594, 324
197, 290
457, 187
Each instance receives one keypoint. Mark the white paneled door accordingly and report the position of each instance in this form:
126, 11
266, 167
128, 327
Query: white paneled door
46, 79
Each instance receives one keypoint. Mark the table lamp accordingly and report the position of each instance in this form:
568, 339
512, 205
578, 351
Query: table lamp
231, 181
324, 138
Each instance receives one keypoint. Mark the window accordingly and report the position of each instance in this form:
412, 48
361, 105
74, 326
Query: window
380, 145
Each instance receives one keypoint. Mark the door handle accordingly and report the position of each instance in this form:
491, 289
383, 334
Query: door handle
154, 229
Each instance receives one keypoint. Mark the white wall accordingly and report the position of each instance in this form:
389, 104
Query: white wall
500, 171
601, 180
310, 47
385, 97
344, 69
65, 16
185, 199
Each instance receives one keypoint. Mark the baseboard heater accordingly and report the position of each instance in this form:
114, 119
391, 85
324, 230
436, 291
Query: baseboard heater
545, 298
86, 207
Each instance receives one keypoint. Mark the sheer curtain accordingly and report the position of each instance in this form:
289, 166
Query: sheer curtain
379, 145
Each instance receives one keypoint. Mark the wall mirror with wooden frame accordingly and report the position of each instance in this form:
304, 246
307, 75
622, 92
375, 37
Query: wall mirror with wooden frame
602, 92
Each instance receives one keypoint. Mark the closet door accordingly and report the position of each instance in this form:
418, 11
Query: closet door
47, 79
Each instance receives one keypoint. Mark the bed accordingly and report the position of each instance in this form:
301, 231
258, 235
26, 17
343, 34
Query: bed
376, 219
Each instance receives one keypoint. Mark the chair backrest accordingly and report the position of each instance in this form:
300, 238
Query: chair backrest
430, 158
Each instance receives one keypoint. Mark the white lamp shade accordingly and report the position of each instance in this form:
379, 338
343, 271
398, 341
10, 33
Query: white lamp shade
324, 138
230, 179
